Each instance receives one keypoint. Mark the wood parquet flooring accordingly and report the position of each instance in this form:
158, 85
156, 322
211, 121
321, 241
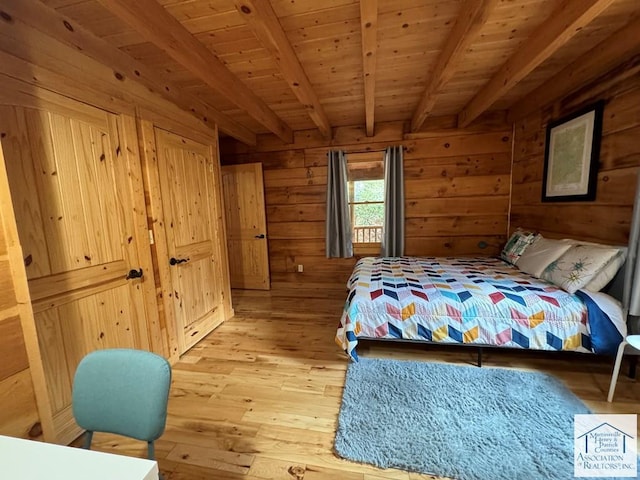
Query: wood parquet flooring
259, 397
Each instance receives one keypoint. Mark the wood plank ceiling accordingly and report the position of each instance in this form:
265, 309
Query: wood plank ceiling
285, 65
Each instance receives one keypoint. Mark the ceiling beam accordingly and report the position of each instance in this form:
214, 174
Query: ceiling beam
561, 26
264, 22
52, 23
472, 17
605, 56
369, 28
159, 27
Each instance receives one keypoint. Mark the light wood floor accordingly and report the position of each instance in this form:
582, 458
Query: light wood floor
259, 397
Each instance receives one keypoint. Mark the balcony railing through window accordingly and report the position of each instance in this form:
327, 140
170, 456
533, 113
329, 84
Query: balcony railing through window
368, 234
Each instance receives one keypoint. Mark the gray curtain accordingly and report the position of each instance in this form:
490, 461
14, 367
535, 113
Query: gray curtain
393, 228
631, 292
338, 229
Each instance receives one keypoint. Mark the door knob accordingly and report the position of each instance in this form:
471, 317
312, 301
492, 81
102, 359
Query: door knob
134, 274
260, 236
176, 261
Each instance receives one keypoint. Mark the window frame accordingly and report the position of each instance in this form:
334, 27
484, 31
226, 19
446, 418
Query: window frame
373, 160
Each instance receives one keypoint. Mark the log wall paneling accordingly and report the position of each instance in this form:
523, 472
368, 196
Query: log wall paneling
607, 219
457, 186
18, 412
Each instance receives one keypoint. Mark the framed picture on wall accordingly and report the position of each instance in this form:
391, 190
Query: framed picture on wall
572, 152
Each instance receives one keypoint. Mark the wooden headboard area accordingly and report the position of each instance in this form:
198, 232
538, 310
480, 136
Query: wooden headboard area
607, 219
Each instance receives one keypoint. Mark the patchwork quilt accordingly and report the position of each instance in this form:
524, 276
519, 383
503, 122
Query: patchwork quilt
482, 301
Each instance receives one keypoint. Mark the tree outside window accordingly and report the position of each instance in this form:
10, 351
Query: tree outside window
367, 210
366, 199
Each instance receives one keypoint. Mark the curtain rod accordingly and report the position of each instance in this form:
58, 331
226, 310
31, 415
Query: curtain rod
367, 151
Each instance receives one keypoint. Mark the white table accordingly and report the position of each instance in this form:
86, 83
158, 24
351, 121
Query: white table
29, 460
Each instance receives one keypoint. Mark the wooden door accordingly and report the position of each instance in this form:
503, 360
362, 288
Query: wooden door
194, 257
19, 413
246, 226
75, 179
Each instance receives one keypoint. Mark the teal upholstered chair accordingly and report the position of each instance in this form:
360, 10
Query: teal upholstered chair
124, 392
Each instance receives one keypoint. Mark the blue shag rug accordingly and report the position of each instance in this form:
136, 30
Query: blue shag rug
461, 422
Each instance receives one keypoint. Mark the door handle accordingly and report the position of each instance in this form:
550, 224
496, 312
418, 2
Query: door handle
260, 236
134, 274
176, 261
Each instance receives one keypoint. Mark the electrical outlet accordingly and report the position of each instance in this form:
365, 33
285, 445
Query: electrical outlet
300, 268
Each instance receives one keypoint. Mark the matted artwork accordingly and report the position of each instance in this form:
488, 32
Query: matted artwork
571, 156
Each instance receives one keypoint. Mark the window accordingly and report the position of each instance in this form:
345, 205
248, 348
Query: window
366, 197
367, 210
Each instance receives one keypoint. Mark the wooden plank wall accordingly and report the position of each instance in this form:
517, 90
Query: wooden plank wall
456, 193
607, 219
18, 412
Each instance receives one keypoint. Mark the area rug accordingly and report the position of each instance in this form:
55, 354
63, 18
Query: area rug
461, 422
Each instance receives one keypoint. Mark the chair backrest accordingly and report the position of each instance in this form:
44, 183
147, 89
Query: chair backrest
122, 391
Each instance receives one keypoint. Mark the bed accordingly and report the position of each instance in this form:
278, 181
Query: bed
471, 301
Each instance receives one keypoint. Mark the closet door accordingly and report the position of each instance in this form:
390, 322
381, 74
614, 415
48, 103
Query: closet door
194, 258
73, 178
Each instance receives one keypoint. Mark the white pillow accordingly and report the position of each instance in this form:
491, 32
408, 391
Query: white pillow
578, 266
604, 276
540, 254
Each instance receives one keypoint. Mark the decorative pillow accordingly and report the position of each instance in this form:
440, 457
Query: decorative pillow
516, 245
540, 254
604, 276
578, 266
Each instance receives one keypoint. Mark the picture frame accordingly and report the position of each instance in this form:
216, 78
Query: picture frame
572, 153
